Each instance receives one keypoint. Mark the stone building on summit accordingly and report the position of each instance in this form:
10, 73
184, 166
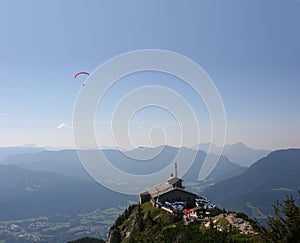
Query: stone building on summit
171, 190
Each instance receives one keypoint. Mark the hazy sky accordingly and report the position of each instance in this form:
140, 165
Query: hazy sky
250, 49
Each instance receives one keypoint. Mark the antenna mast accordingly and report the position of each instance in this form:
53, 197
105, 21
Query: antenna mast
175, 169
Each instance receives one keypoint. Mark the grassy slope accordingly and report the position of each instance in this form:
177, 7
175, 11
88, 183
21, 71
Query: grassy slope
149, 224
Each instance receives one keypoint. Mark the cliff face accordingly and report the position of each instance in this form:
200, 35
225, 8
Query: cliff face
144, 223
114, 236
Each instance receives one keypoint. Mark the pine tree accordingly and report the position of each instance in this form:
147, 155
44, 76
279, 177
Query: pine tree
284, 226
275, 232
292, 220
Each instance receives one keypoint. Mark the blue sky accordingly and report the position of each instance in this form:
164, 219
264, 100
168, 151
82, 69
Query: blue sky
250, 49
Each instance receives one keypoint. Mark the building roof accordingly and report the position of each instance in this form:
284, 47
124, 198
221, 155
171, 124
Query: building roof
177, 189
158, 188
164, 187
173, 180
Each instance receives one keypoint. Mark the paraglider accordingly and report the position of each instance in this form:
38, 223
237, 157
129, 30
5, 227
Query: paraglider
80, 73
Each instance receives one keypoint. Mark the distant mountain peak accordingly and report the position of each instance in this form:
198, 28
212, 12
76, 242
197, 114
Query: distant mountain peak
239, 144
29, 145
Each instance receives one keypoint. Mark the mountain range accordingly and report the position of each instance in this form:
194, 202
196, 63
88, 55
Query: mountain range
7, 151
251, 190
25, 194
254, 191
47, 182
67, 163
237, 152
42, 183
